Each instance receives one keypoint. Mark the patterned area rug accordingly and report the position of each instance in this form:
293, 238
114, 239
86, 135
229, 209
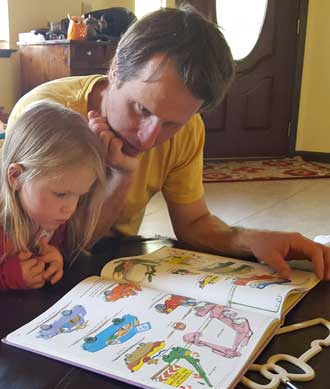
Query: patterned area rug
262, 170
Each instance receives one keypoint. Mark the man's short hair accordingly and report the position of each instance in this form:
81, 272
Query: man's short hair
199, 49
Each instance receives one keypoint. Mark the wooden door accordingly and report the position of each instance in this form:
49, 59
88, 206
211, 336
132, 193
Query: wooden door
254, 119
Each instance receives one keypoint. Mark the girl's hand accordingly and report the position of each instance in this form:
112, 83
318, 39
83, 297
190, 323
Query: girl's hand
32, 270
52, 260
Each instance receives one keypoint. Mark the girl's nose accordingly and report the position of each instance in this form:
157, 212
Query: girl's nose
69, 207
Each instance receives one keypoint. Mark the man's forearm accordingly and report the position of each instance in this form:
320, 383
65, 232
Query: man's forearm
211, 233
208, 233
116, 192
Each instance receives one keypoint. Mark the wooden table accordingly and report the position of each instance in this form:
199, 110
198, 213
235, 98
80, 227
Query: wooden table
24, 370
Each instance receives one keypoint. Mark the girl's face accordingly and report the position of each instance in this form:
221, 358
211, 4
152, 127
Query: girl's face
51, 201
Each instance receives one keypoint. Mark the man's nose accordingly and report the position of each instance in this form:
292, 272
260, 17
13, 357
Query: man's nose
148, 134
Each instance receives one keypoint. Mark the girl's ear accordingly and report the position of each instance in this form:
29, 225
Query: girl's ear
13, 173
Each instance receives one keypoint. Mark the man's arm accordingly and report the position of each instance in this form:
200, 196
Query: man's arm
120, 173
194, 224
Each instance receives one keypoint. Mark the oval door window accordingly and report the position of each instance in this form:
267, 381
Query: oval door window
241, 22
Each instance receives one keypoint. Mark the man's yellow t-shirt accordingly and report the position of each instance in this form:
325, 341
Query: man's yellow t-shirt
175, 167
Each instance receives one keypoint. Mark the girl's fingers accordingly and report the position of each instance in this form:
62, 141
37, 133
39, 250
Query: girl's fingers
53, 273
37, 268
37, 284
24, 255
57, 276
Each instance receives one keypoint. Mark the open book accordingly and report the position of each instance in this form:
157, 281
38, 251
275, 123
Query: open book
171, 318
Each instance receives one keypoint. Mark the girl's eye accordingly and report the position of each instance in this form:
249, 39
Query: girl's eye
60, 194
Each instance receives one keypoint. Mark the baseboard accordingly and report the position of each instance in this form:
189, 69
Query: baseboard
314, 156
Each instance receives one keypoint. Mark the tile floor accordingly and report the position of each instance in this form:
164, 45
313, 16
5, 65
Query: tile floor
288, 205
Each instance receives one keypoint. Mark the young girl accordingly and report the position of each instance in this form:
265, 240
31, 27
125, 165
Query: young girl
52, 179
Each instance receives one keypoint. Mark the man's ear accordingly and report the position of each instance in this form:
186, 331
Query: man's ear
13, 174
113, 71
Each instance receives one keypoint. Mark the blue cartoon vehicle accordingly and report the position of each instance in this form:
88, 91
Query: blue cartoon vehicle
120, 331
70, 320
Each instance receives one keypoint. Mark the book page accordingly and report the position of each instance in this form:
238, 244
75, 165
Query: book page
122, 331
231, 282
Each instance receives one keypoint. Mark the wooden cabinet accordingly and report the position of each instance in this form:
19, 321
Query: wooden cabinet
41, 62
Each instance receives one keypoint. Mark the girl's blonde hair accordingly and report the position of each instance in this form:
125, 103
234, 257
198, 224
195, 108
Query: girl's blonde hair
46, 139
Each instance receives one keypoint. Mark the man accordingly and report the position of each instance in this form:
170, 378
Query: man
168, 66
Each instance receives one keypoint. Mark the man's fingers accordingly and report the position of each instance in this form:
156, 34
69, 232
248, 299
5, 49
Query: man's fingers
106, 137
316, 256
98, 125
305, 248
118, 160
92, 114
326, 255
276, 261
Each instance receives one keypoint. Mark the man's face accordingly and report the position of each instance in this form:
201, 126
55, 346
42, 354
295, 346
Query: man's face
150, 109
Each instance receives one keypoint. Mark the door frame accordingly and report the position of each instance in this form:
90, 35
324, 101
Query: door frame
302, 25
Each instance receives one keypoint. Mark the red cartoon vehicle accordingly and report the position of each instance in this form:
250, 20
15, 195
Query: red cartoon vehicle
121, 291
174, 301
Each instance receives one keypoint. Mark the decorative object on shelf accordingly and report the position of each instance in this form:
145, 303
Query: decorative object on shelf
55, 32
101, 25
92, 26
114, 21
77, 30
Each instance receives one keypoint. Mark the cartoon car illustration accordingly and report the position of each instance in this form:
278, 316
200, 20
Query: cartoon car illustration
208, 280
121, 330
263, 285
70, 320
174, 301
252, 278
143, 354
121, 291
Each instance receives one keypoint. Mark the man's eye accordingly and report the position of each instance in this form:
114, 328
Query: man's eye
143, 110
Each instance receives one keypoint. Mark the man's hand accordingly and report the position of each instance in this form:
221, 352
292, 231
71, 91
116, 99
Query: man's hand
116, 160
32, 270
275, 248
52, 260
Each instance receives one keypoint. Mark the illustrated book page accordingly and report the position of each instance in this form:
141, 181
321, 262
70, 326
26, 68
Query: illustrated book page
235, 283
147, 337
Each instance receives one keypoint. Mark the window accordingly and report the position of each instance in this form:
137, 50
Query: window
4, 25
143, 7
241, 22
